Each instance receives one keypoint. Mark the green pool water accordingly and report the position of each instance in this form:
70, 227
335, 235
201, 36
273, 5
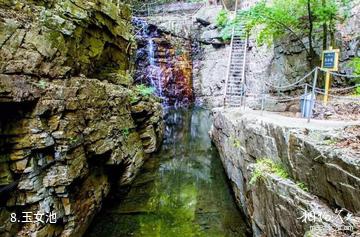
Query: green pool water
181, 191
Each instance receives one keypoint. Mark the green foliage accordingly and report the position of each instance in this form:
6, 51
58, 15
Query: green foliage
263, 166
275, 19
73, 140
226, 31
42, 84
236, 143
355, 64
222, 18
308, 234
140, 91
330, 141
144, 90
125, 132
134, 98
324, 14
357, 91
226, 25
279, 18
302, 186
256, 175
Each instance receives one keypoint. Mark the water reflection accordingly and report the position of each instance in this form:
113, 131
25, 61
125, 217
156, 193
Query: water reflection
181, 190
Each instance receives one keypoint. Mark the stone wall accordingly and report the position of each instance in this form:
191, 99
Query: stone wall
72, 126
318, 174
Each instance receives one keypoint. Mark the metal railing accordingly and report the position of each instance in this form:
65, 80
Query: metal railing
307, 88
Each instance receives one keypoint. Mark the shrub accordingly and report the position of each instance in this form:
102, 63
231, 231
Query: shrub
302, 186
42, 84
263, 166
355, 64
357, 91
222, 18
125, 132
144, 90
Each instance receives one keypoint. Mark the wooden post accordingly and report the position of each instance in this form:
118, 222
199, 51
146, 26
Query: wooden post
327, 86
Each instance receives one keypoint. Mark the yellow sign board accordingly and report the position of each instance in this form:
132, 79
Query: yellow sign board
330, 59
329, 62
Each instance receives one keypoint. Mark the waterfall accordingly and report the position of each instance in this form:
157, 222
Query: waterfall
164, 63
154, 70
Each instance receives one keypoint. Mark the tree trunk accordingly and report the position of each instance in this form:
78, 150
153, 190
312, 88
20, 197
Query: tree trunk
312, 55
325, 30
332, 35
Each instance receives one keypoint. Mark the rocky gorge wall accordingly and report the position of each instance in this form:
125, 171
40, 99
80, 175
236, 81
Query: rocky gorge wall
72, 126
282, 168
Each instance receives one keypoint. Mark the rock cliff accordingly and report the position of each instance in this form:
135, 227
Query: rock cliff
72, 125
196, 31
164, 62
283, 168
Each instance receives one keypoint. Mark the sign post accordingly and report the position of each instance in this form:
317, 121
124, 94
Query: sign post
330, 62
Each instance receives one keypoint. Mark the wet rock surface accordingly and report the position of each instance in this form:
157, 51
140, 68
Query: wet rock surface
164, 61
319, 175
208, 53
70, 129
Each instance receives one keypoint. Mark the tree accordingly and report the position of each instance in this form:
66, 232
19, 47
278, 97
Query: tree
302, 19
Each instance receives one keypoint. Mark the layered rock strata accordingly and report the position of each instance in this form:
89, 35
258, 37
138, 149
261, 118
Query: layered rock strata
283, 168
72, 126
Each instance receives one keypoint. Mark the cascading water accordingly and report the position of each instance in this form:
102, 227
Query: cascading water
154, 71
163, 62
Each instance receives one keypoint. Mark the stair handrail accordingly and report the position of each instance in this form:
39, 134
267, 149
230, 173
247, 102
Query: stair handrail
243, 70
230, 54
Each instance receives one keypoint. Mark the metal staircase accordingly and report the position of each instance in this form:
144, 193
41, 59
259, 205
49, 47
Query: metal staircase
234, 94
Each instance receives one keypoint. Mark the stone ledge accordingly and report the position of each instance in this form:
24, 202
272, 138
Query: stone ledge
244, 138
